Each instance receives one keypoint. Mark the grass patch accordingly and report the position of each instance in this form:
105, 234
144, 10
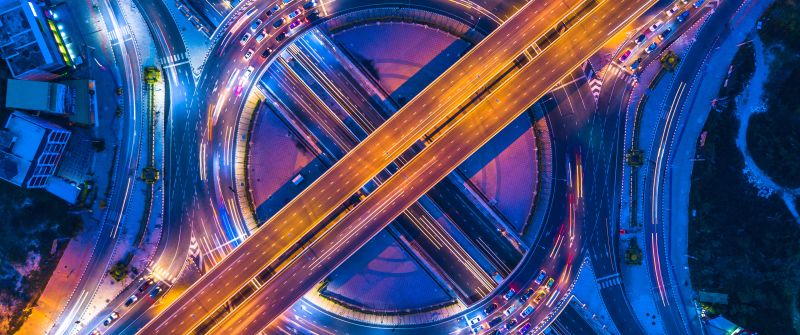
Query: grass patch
773, 138
741, 244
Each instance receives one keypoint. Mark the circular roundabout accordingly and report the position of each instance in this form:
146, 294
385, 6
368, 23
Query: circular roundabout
482, 242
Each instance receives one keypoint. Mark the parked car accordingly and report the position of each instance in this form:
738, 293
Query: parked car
490, 309
261, 36
641, 39
145, 285
509, 294
655, 26
538, 298
523, 298
266, 53
550, 283
110, 319
273, 10
155, 292
245, 38
540, 278
525, 328
527, 311
652, 47
672, 10
131, 300
683, 16
295, 13
256, 24
511, 323
636, 64
510, 310
625, 55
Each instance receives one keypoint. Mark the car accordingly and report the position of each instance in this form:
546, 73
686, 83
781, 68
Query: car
248, 54
525, 328
248, 72
625, 55
510, 310
655, 26
523, 298
641, 39
475, 320
538, 298
294, 14
664, 34
309, 5
495, 332
496, 321
550, 283
286, 2
261, 36
527, 311
280, 37
490, 309
245, 38
540, 278
683, 16
478, 328
297, 23
278, 23
652, 47
256, 24
509, 294
250, 11
672, 10
156, 291
131, 300
266, 53
511, 323
111, 317
273, 10
636, 64
698, 3
95, 332
146, 284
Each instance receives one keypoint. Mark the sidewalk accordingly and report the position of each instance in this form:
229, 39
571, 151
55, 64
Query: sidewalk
70, 269
589, 302
133, 216
637, 286
197, 44
697, 107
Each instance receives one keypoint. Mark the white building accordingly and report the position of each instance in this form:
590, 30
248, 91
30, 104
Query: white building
30, 149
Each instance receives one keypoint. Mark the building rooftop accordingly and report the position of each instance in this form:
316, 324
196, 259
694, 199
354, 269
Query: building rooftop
29, 135
40, 96
26, 42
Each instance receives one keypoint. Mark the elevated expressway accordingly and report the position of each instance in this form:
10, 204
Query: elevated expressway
295, 224
572, 47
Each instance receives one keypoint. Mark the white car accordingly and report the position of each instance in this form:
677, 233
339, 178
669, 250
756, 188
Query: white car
474, 320
672, 11
261, 36
655, 26
248, 72
245, 38
113, 316
248, 54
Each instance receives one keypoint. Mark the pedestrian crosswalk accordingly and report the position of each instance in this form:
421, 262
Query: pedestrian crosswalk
609, 281
595, 84
173, 60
